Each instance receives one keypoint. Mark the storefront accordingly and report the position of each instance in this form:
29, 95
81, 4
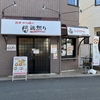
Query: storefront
70, 45
49, 47
38, 40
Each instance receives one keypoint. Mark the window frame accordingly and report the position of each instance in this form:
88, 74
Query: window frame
96, 3
98, 33
86, 40
76, 4
74, 47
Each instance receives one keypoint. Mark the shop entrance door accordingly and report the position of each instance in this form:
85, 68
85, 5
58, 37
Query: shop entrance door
38, 61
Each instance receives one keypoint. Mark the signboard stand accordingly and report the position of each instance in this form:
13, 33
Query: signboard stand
19, 68
18, 77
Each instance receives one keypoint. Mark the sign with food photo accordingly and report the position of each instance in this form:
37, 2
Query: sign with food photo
20, 65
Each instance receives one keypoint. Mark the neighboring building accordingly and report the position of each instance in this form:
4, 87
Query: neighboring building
90, 17
47, 34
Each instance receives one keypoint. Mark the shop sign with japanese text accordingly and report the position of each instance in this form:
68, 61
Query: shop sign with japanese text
73, 31
30, 27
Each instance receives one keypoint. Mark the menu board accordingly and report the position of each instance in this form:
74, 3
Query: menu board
20, 65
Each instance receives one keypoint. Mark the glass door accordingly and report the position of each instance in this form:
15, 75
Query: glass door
37, 62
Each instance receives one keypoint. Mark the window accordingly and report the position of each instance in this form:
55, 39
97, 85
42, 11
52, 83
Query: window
98, 33
68, 46
73, 2
97, 2
86, 40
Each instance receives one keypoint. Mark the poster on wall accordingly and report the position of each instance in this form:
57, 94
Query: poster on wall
69, 49
63, 50
96, 51
19, 67
55, 55
11, 47
53, 48
35, 51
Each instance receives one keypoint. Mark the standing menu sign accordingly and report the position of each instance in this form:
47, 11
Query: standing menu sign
19, 67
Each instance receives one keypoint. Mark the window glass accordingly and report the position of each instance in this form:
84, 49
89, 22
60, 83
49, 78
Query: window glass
97, 2
68, 46
98, 33
73, 2
86, 40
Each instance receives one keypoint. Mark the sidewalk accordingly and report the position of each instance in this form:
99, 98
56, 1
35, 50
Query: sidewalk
68, 73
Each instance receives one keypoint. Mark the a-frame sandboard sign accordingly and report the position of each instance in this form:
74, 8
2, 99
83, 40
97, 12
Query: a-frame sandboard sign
20, 68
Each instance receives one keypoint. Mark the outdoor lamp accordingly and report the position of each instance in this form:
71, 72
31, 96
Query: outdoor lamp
44, 7
13, 4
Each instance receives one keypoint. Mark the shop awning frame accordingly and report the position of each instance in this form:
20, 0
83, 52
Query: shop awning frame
63, 26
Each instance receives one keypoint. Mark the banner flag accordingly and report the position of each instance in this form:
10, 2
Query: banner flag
95, 51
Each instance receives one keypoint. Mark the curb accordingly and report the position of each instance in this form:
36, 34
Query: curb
44, 76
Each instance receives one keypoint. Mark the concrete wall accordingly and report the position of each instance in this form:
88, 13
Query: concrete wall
6, 58
33, 8
55, 67
30, 8
70, 63
70, 19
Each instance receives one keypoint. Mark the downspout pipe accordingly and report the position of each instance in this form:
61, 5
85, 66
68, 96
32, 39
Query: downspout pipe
59, 43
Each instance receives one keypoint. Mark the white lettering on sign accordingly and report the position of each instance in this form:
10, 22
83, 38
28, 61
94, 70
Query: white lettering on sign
11, 47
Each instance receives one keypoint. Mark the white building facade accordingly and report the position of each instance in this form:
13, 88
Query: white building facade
90, 16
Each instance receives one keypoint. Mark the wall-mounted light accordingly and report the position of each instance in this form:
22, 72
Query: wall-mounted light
13, 4
44, 8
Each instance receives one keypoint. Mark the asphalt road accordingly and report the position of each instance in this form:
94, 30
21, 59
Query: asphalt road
79, 88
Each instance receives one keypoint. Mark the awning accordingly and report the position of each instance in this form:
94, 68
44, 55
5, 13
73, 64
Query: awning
75, 31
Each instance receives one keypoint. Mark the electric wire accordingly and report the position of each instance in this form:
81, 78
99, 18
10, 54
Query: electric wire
83, 11
92, 13
90, 6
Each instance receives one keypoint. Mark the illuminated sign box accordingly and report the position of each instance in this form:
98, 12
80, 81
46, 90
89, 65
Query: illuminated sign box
30, 27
